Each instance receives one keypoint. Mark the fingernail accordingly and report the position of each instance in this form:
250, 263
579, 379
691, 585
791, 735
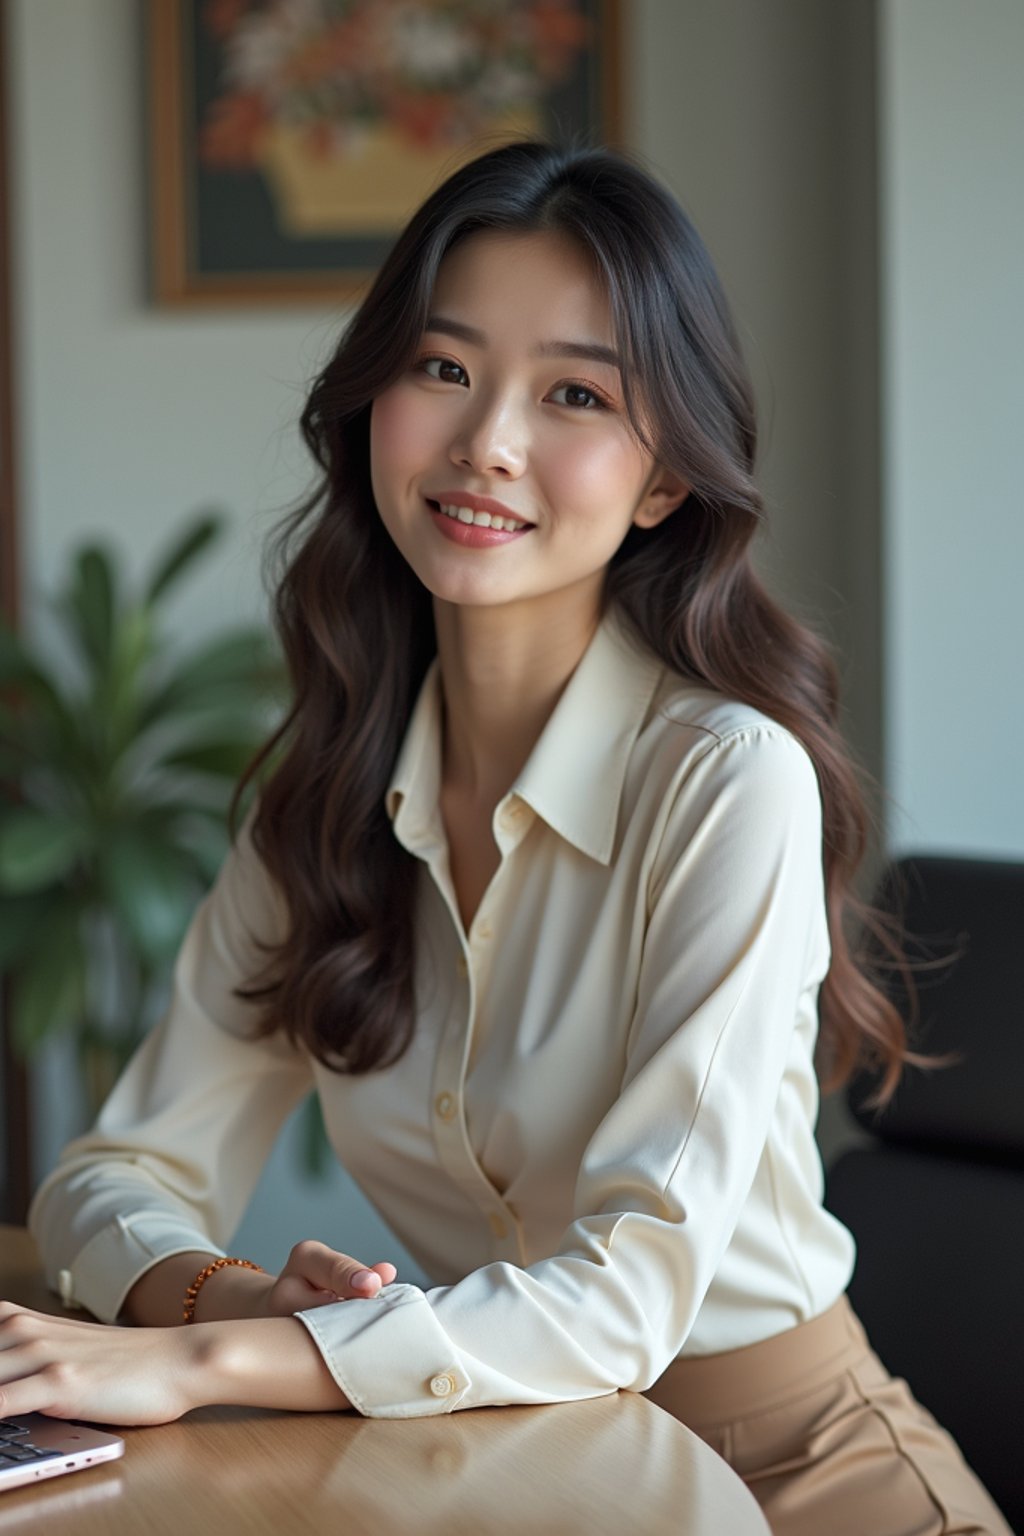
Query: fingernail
363, 1276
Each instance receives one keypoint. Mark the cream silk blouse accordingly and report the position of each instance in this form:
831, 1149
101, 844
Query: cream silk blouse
600, 1143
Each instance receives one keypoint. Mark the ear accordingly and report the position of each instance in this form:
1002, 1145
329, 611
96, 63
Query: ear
665, 492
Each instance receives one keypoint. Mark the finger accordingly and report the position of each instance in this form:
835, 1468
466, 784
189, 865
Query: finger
18, 1327
27, 1374
365, 1281
24, 1394
11, 1309
325, 1269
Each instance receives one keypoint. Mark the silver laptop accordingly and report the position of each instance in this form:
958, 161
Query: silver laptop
34, 1447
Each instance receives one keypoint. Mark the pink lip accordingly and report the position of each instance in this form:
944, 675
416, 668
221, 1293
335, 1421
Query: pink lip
477, 504
469, 535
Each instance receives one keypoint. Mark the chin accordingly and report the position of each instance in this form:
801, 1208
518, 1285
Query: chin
465, 589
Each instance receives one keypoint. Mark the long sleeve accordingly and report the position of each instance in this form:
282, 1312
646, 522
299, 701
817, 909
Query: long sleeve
177, 1149
733, 950
600, 1141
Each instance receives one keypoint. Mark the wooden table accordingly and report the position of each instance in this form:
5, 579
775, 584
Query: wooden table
615, 1464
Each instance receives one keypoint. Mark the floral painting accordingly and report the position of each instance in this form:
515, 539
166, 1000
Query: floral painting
293, 138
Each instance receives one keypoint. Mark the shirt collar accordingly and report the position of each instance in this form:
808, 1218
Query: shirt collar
413, 796
574, 776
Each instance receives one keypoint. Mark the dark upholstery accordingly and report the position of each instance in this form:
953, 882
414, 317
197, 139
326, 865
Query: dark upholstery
936, 1202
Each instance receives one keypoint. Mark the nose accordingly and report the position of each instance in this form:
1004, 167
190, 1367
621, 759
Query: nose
490, 439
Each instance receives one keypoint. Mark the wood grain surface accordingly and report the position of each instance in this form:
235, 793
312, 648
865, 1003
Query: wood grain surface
611, 1464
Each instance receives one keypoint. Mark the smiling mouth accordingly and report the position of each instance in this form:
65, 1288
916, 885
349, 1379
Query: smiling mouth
466, 515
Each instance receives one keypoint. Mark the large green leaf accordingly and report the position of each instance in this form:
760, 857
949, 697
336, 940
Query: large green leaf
38, 848
209, 853
200, 832
164, 812
16, 662
223, 758
153, 887
15, 739
131, 651
66, 748
20, 670
16, 725
199, 534
134, 769
21, 918
90, 603
45, 720
49, 994
242, 667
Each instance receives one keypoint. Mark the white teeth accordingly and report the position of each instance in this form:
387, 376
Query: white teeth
483, 519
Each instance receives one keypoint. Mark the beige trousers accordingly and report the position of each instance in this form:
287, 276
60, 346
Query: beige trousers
825, 1439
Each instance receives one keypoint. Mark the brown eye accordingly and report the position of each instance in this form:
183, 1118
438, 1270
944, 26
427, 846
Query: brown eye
444, 370
579, 396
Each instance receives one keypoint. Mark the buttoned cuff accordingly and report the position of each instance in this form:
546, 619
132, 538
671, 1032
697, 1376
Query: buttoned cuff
389, 1354
108, 1266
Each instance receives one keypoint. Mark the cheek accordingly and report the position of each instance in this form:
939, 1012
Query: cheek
597, 475
386, 435
402, 439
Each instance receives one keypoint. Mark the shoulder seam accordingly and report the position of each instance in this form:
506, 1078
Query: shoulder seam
766, 727
689, 725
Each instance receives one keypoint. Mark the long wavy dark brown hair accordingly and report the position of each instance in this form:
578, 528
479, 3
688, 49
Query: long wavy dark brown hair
357, 626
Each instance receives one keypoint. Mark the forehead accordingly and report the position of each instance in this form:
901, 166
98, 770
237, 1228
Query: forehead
544, 282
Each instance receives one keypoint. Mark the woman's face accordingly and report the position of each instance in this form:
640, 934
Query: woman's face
503, 461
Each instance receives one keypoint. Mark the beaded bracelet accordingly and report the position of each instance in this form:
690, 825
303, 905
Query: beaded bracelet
204, 1275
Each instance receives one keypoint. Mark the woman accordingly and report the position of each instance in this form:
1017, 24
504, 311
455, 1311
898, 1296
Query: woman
547, 918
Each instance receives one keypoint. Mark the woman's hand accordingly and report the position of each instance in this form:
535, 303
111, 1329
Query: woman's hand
316, 1275
75, 1370
71, 1369
313, 1276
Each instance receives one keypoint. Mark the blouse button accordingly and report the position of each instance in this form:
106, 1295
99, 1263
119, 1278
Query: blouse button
498, 1227
484, 930
446, 1106
461, 966
443, 1385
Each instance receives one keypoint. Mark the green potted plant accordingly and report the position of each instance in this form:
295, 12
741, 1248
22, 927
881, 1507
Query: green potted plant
118, 757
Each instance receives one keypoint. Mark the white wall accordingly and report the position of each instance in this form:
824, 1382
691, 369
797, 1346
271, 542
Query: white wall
132, 416
953, 339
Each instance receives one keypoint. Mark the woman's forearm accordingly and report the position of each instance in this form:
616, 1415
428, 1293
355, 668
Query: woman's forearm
157, 1300
271, 1362
74, 1369
313, 1276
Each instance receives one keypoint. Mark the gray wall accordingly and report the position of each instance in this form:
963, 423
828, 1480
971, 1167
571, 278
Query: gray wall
952, 262
764, 120
760, 117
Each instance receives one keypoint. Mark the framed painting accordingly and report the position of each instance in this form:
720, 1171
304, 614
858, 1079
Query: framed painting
291, 139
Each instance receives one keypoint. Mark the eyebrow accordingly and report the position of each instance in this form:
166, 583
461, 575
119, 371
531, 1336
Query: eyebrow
592, 351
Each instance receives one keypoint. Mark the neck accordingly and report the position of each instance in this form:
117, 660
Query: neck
501, 678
